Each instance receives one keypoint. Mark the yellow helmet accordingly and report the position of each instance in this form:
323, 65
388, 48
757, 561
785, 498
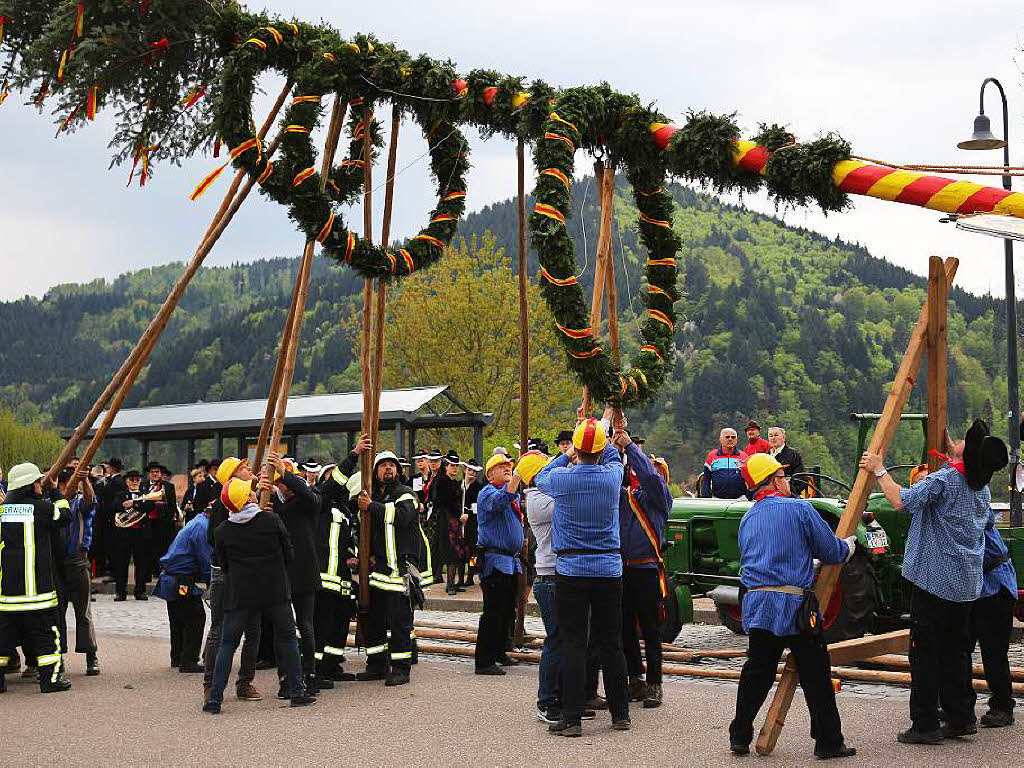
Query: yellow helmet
589, 436
759, 468
530, 463
227, 468
495, 460
235, 494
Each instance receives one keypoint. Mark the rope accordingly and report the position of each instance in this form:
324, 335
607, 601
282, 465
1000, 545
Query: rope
972, 170
406, 95
583, 226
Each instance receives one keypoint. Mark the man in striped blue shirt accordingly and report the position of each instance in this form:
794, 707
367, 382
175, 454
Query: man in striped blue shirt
779, 539
585, 538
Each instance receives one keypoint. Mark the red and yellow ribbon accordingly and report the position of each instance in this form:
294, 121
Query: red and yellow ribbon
557, 280
410, 265
653, 350
326, 230
557, 174
193, 96
573, 333
91, 101
442, 217
306, 99
656, 222
278, 37
652, 537
453, 196
550, 211
667, 262
266, 173
350, 246
205, 184
585, 355
661, 317
658, 291
558, 119
564, 139
430, 239
296, 129
257, 42
301, 176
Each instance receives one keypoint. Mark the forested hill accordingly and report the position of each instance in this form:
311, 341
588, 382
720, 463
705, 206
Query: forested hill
780, 324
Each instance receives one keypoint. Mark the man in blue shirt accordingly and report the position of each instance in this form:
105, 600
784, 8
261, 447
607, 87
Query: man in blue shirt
779, 539
585, 538
992, 624
943, 561
186, 562
75, 575
499, 537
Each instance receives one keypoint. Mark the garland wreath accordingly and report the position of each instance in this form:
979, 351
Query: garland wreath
174, 47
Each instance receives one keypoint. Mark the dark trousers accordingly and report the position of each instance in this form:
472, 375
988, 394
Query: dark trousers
588, 605
130, 544
940, 661
304, 605
388, 611
331, 619
238, 621
499, 591
247, 664
77, 591
758, 676
641, 592
38, 630
163, 535
991, 625
187, 619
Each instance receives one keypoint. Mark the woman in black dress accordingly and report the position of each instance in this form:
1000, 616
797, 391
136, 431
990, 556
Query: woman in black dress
446, 494
471, 486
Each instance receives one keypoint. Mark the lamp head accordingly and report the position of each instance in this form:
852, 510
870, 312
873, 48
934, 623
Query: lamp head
982, 138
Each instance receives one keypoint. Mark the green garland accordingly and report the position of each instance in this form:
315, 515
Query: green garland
219, 46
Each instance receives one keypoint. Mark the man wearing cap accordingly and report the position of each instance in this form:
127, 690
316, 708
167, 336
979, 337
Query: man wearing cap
253, 547
721, 478
944, 561
755, 443
298, 505
499, 536
395, 545
231, 468
780, 537
186, 562
585, 538
644, 504
28, 590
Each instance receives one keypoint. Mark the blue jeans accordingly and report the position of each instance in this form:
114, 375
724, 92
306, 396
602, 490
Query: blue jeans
285, 644
549, 691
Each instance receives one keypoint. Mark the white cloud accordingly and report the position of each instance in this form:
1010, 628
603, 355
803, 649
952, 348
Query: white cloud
899, 80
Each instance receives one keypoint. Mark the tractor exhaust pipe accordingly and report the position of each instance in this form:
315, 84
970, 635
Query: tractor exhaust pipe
725, 595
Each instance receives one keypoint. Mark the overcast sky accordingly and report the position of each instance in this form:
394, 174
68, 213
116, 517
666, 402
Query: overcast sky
899, 80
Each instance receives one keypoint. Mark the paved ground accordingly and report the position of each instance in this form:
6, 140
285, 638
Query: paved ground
139, 711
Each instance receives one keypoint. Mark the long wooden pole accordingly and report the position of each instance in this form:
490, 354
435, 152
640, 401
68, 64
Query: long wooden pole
330, 146
366, 459
136, 360
902, 386
522, 588
938, 357
597, 295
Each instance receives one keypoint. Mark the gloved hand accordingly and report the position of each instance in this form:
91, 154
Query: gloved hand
851, 542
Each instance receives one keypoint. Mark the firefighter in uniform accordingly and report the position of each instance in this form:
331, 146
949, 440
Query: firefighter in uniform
28, 588
336, 542
396, 543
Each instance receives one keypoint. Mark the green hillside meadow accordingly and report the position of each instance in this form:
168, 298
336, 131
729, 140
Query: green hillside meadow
777, 323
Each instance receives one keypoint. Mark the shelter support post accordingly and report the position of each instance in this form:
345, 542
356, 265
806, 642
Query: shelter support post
144, 450
190, 452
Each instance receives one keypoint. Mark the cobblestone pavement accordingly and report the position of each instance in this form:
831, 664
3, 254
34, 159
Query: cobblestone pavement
149, 619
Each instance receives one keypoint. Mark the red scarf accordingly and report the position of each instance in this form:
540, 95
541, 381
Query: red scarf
957, 465
764, 493
515, 500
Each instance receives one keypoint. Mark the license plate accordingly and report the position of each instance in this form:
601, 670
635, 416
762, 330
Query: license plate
877, 539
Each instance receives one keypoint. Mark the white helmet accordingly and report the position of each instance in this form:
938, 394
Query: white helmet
386, 456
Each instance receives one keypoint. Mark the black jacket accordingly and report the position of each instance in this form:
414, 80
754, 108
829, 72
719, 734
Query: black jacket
206, 491
115, 492
793, 464
300, 515
21, 512
337, 532
255, 557
394, 518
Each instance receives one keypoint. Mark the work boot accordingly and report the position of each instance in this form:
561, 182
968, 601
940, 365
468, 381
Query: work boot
142, 596
653, 699
494, 669
58, 687
397, 677
310, 681
283, 689
3, 683
508, 661
339, 675
206, 692
957, 731
119, 598
370, 675
622, 723
997, 718
914, 736
637, 690
247, 692
739, 748
303, 701
564, 728
596, 702
191, 668
828, 754
30, 673
323, 683
92, 665
212, 707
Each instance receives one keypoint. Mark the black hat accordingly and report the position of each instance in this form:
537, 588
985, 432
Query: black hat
202, 463
310, 465
133, 474
452, 457
473, 465
166, 470
434, 455
420, 454
752, 425
536, 444
115, 463
154, 465
984, 455
564, 436
402, 461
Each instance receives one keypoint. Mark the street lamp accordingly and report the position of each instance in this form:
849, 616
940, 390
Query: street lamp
982, 138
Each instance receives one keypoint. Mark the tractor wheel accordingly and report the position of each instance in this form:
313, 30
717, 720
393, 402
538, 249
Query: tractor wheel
730, 616
851, 611
673, 621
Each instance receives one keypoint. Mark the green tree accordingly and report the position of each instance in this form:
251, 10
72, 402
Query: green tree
21, 442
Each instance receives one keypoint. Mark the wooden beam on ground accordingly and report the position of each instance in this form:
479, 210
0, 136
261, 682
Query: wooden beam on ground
899, 393
861, 648
124, 377
938, 388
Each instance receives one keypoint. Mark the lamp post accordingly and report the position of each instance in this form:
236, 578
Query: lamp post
982, 138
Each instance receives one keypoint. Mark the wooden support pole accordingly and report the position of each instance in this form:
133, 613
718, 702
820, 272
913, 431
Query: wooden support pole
136, 360
524, 314
607, 212
366, 459
938, 391
331, 144
902, 386
597, 296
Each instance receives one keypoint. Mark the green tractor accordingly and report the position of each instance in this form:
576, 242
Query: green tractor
702, 558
